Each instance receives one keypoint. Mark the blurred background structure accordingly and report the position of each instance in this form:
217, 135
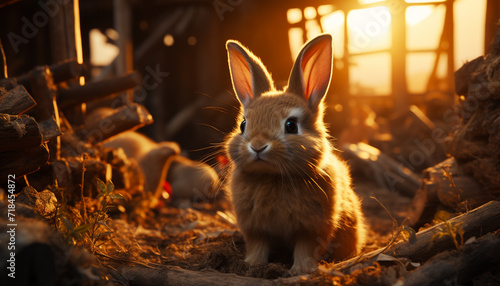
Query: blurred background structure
389, 55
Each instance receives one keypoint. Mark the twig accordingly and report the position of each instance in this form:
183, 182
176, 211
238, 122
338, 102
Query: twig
83, 211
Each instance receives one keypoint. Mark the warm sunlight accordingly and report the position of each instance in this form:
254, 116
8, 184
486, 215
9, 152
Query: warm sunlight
423, 1
363, 2
294, 15
102, 53
417, 14
369, 29
370, 38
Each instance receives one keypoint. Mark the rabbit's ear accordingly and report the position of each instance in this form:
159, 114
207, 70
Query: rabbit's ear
249, 76
311, 73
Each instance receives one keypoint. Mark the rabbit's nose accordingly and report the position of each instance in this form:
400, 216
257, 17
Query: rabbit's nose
259, 150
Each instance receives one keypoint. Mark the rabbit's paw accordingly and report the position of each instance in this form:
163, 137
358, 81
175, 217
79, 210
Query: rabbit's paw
305, 266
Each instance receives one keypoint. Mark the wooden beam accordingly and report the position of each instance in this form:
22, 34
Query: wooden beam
97, 90
459, 266
128, 117
398, 60
122, 13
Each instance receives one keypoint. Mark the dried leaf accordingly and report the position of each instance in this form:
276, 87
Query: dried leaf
471, 240
385, 257
415, 264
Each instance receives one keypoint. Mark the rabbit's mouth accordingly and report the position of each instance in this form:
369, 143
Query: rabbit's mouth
261, 165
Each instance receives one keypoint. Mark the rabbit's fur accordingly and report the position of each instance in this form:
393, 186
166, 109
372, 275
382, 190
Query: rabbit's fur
287, 187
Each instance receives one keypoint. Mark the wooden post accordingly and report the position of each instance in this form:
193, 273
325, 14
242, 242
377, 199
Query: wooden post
398, 52
66, 44
449, 40
62, 33
122, 22
44, 93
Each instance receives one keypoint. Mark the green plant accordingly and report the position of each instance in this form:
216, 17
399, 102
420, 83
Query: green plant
88, 229
98, 220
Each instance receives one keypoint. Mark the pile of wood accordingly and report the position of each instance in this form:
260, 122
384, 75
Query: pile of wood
41, 126
476, 143
472, 176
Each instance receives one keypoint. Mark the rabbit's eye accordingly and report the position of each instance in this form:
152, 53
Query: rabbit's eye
243, 125
291, 126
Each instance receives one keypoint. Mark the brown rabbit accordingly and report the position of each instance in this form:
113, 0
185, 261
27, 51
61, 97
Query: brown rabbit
287, 186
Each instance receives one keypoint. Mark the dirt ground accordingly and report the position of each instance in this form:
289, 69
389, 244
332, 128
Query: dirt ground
205, 238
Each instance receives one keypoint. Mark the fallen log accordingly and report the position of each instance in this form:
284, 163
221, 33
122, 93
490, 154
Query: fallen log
445, 184
15, 101
386, 172
129, 117
178, 276
477, 222
97, 90
23, 162
18, 132
460, 266
424, 204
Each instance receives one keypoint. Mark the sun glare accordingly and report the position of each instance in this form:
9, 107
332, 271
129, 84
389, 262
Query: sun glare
294, 15
364, 2
417, 14
423, 1
369, 29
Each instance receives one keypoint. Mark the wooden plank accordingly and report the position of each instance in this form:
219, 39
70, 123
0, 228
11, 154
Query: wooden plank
15, 101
